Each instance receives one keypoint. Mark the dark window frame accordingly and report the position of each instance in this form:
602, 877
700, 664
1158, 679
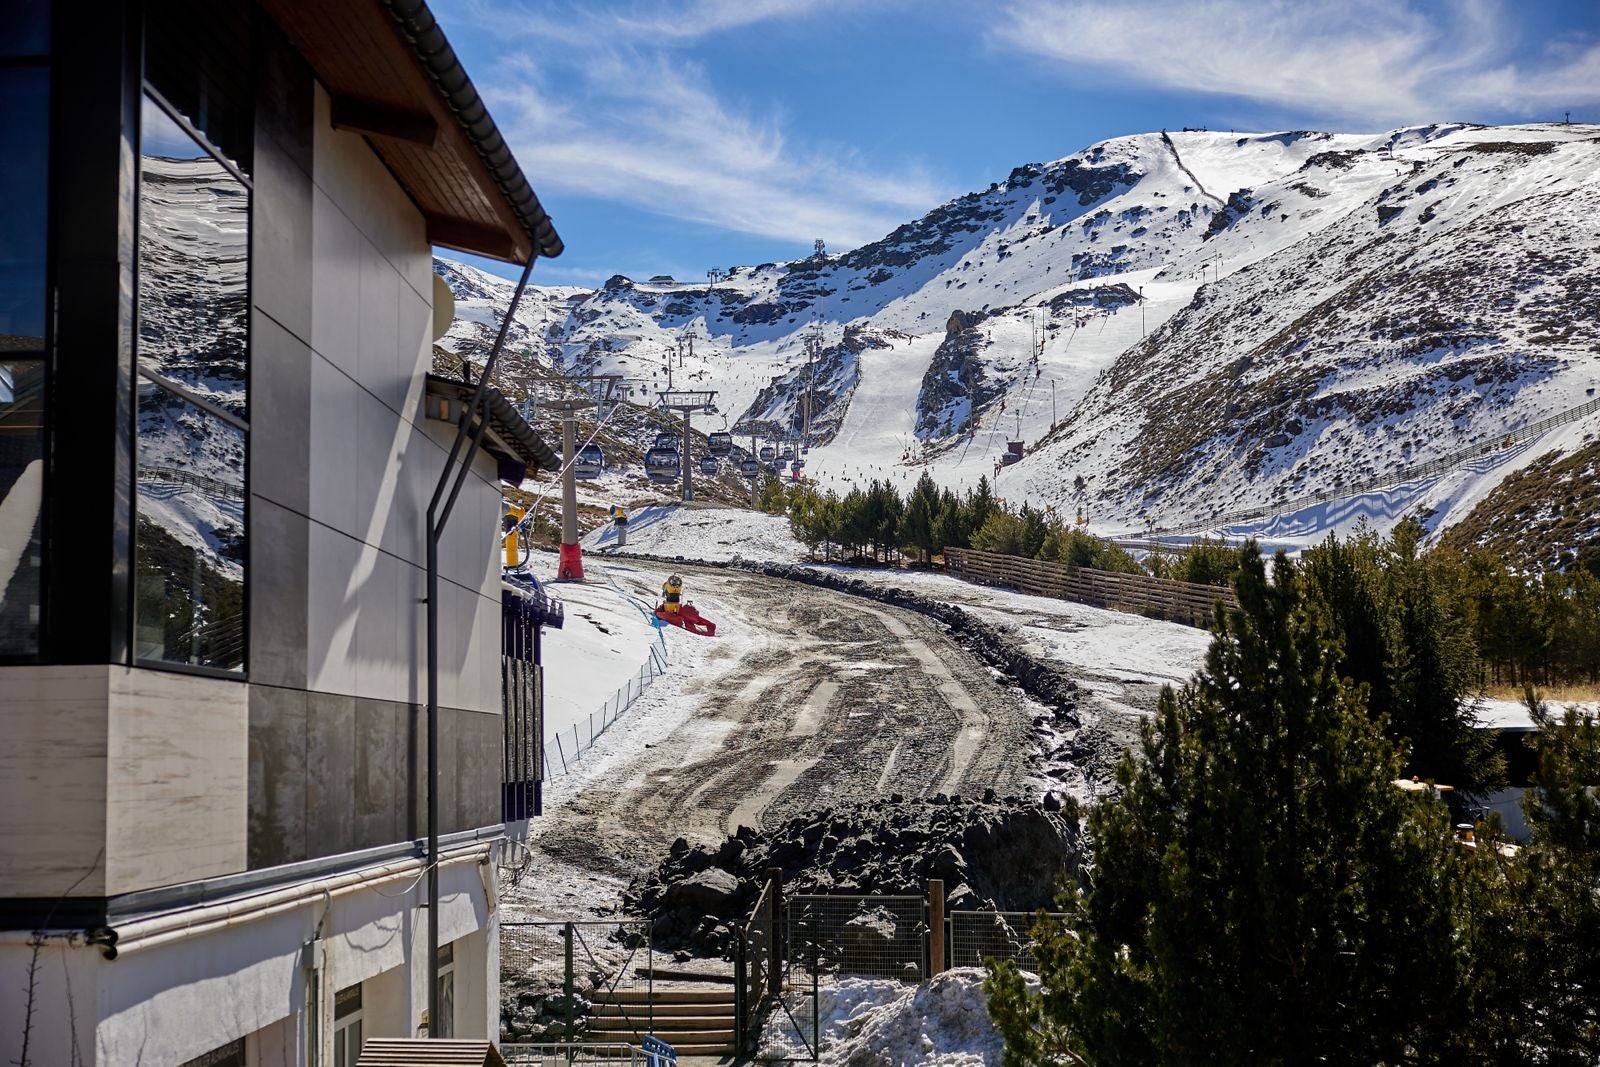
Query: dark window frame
44, 355
154, 95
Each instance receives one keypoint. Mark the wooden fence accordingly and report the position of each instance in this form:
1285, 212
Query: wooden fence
1159, 598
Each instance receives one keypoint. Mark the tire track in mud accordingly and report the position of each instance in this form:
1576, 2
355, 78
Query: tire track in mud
847, 700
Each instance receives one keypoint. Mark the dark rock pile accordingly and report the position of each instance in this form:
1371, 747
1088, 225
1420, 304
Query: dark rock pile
1005, 854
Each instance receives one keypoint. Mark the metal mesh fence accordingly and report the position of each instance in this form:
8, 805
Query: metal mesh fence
1000, 935
876, 937
585, 982
560, 1055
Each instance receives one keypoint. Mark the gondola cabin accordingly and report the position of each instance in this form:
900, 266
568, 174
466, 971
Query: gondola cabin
589, 463
709, 465
767, 454
662, 464
787, 454
720, 443
749, 467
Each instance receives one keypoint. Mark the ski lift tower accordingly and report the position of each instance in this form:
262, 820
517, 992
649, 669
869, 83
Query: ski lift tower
688, 402
569, 567
758, 428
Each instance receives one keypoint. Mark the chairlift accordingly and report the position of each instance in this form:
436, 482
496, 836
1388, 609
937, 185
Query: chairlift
720, 442
709, 465
662, 464
589, 463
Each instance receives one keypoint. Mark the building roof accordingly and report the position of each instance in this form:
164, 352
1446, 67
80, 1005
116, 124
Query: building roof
428, 1052
392, 76
508, 436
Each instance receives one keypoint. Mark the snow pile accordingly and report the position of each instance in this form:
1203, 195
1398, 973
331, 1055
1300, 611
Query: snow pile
878, 1023
706, 533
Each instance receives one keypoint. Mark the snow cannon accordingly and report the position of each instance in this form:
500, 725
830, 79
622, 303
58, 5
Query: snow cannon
688, 617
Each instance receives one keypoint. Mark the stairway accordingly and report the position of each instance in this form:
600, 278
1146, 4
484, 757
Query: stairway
695, 1021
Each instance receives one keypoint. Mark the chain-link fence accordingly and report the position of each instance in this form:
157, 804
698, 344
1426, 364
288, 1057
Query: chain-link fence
583, 982
870, 937
976, 936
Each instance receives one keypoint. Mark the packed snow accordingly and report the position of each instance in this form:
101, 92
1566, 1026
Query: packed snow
702, 532
867, 1022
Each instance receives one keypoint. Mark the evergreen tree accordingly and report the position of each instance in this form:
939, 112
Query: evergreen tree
1263, 893
917, 525
980, 504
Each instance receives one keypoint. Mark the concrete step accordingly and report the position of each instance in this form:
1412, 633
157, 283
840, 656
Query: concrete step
676, 1039
665, 1011
666, 996
620, 1021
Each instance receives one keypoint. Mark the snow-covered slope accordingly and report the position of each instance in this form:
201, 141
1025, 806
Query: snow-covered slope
1191, 321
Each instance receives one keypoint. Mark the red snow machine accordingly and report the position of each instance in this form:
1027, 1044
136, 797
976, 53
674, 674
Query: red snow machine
688, 617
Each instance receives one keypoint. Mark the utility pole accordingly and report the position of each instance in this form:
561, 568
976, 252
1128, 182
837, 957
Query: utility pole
687, 402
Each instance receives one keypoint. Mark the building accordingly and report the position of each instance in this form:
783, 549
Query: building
216, 462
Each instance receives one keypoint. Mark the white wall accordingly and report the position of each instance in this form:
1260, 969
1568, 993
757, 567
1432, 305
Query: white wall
162, 1005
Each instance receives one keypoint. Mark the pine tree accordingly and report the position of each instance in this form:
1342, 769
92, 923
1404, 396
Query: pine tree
1263, 893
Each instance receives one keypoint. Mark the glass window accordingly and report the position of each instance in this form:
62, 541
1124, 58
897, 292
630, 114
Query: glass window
193, 346
194, 254
21, 503
24, 145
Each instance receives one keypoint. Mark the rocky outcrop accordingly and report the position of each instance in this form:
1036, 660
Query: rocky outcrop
1007, 854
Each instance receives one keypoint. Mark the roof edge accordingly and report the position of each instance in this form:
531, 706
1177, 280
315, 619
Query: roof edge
422, 31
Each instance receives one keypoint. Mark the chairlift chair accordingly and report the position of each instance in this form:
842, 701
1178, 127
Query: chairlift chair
590, 461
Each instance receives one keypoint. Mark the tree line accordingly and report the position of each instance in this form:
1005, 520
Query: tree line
1269, 887
1542, 628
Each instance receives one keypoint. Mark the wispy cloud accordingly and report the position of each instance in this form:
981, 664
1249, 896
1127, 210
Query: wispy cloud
1382, 62
619, 111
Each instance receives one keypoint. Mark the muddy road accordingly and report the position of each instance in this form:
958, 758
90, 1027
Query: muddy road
822, 698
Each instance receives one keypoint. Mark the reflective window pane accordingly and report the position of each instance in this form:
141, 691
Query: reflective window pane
189, 534
24, 176
21, 504
194, 242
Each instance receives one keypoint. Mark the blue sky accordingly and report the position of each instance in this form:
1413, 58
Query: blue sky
676, 135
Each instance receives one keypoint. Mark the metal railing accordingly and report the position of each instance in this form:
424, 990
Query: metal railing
560, 1054
976, 936
584, 983
572, 742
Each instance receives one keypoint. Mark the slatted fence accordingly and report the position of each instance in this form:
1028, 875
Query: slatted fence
1160, 598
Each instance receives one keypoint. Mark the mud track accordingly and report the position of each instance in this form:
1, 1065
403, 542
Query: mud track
845, 700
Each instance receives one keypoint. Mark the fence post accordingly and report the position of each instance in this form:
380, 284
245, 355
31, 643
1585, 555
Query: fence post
566, 984
775, 923
739, 995
935, 926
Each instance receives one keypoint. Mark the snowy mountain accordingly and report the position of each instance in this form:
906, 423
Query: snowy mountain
1194, 322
